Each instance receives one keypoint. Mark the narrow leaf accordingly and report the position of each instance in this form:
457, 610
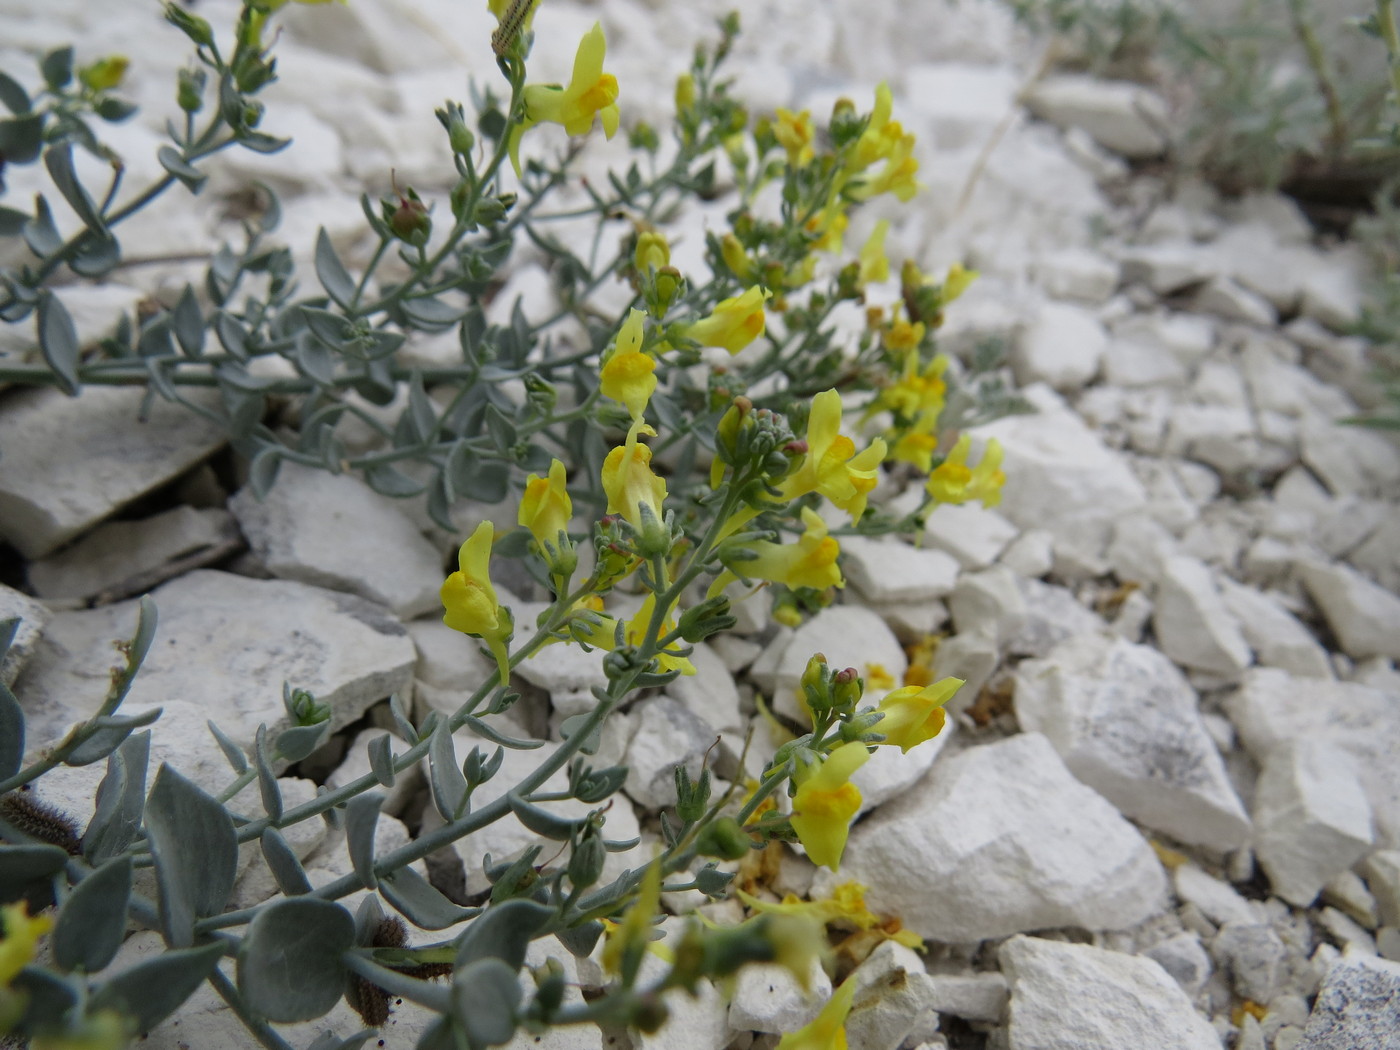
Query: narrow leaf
59, 161
445, 776
289, 966
267, 779
58, 341
388, 480
152, 990
231, 751
57, 68
92, 924
543, 822
381, 760
40, 232
481, 727
188, 322
335, 279
13, 95
361, 816
195, 849
405, 727
418, 901
262, 472
11, 733
283, 863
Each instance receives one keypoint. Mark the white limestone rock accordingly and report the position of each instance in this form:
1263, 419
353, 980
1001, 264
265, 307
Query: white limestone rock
356, 540
1126, 723
980, 996
769, 999
892, 571
890, 772
563, 670
1312, 818
710, 693
1167, 268
1138, 363
225, 644
1382, 872
1184, 960
1194, 627
1273, 708
972, 656
1031, 554
1121, 116
1012, 841
1253, 955
1078, 997
1061, 477
1062, 346
960, 101
668, 734
1222, 297
848, 636
33, 617
71, 462
1053, 615
1218, 901
1334, 289
893, 995
1077, 273
971, 533
1349, 460
1364, 616
122, 558
990, 601
1275, 634
1355, 1010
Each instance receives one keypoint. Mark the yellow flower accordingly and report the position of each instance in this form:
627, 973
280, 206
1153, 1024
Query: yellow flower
630, 484
732, 251
954, 482
734, 324
916, 446
957, 281
590, 93
829, 226
470, 600
685, 94
827, 1031
900, 336
880, 134
795, 133
825, 803
629, 939
896, 177
627, 374
916, 393
832, 466
845, 908
635, 632
810, 562
21, 937
873, 264
545, 509
914, 714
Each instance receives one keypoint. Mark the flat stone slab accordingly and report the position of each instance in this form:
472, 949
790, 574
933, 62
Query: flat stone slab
224, 644
70, 462
32, 616
998, 840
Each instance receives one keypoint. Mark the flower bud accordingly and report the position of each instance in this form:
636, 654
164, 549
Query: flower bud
586, 861
652, 251
189, 89
732, 251
847, 688
708, 618
685, 94
669, 285
104, 74
725, 838
194, 27
410, 220
691, 796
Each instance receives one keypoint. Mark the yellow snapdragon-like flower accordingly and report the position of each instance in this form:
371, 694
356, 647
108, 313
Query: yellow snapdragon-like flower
810, 562
795, 133
845, 909
21, 938
874, 266
627, 374
832, 466
652, 251
602, 634
901, 336
917, 446
545, 507
590, 93
829, 226
826, 1031
734, 323
630, 484
914, 714
955, 482
470, 600
917, 391
826, 802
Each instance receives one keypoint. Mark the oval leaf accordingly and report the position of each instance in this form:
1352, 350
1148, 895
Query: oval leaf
111, 731
121, 800
22, 866
484, 997
418, 901
289, 966
170, 159
445, 776
335, 279
267, 779
283, 863
92, 924
58, 342
503, 931
543, 822
361, 816
195, 849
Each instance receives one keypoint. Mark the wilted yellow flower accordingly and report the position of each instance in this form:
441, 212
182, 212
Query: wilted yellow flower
845, 908
914, 714
954, 482
873, 264
634, 632
810, 562
734, 323
470, 600
21, 937
831, 465
826, 1031
590, 93
795, 133
630, 484
825, 803
545, 508
627, 373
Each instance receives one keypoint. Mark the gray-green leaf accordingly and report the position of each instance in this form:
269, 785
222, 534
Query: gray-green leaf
22, 866
335, 279
195, 849
289, 966
484, 997
152, 990
283, 863
361, 816
416, 899
121, 800
58, 342
92, 923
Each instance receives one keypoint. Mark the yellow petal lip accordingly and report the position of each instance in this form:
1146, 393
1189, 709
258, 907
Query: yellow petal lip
825, 804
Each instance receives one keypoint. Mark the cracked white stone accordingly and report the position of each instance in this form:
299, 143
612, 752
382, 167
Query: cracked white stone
1277, 637
710, 693
1167, 268
668, 734
1126, 722
356, 540
769, 999
1312, 818
1078, 997
71, 462
893, 995
886, 571
1224, 298
1013, 841
979, 996
1253, 955
1077, 273
1121, 116
1053, 615
1364, 616
1193, 625
1063, 345
848, 636
971, 533
990, 601
1382, 873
